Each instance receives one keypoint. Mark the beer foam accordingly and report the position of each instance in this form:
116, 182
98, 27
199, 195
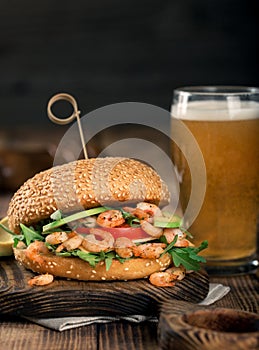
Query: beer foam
232, 109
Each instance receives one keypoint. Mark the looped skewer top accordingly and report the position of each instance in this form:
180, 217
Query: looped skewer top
75, 114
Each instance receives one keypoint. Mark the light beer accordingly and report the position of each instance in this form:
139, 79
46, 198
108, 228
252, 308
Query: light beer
229, 142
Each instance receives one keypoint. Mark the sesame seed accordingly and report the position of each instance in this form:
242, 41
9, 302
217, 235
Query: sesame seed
126, 269
68, 272
40, 195
93, 271
103, 278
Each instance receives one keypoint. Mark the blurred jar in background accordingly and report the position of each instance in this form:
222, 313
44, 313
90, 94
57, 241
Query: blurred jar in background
22, 159
23, 153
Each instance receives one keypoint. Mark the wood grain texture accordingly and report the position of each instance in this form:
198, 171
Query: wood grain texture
22, 335
122, 336
18, 334
174, 333
244, 292
90, 298
193, 327
25, 336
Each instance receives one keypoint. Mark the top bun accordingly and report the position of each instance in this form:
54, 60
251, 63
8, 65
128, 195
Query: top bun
84, 184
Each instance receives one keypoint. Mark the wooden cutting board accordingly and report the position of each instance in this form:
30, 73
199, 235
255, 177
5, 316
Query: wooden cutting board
74, 298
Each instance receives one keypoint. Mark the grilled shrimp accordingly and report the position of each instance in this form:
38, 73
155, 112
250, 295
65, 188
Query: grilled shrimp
150, 209
139, 213
167, 277
181, 242
149, 250
41, 280
151, 230
73, 242
179, 272
110, 218
34, 251
98, 240
162, 279
123, 247
56, 238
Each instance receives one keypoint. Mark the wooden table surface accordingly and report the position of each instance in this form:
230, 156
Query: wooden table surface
19, 334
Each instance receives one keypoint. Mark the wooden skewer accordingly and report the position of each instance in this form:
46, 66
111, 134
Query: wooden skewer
75, 114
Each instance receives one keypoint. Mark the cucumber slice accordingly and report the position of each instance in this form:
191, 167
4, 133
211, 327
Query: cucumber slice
73, 217
165, 222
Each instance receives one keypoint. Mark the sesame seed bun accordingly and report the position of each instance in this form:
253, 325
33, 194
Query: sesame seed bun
85, 184
76, 268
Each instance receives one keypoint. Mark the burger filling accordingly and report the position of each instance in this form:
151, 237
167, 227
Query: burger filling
104, 234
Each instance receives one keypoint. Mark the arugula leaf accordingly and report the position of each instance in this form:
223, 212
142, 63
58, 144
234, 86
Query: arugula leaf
202, 246
30, 235
188, 257
65, 254
94, 258
121, 260
91, 258
170, 246
132, 220
17, 239
182, 258
51, 247
108, 259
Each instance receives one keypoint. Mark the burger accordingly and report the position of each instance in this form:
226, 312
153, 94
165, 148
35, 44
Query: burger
100, 219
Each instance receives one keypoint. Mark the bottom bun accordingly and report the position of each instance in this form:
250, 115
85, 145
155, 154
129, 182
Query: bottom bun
75, 268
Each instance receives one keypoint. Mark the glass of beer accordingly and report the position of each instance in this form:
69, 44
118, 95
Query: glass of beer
224, 120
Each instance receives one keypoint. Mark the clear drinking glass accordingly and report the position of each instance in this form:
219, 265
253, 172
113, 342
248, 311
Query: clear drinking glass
225, 123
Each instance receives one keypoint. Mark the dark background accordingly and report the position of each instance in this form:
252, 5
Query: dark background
112, 51
109, 51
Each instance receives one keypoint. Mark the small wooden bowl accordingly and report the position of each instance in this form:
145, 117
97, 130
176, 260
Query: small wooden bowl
186, 326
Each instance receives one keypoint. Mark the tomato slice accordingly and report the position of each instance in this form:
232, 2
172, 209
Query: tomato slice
133, 233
